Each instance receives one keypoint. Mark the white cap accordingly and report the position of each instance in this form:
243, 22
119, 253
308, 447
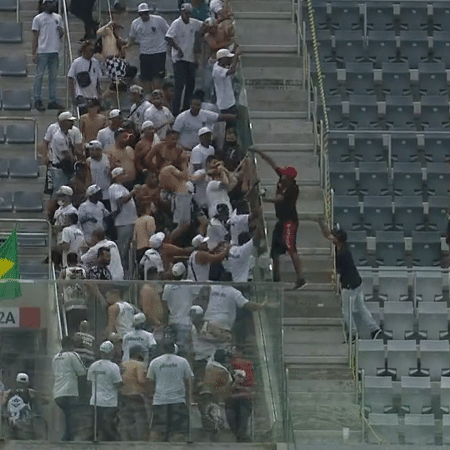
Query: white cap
209, 21
93, 189
107, 347
115, 113
186, 7
151, 259
240, 373
117, 171
157, 239
65, 190
136, 89
66, 115
196, 309
199, 239
143, 7
224, 53
178, 269
22, 377
203, 131
95, 144
190, 187
139, 318
146, 124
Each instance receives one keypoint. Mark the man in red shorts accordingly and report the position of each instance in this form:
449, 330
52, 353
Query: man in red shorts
284, 237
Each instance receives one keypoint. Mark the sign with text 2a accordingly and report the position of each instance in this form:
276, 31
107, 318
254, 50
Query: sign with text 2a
24, 317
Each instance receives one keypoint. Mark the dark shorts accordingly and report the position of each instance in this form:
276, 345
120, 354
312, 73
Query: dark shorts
284, 238
173, 418
153, 66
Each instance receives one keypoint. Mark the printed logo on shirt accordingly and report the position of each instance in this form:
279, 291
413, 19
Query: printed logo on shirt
168, 366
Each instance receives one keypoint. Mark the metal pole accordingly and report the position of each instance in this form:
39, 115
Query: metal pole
95, 407
362, 404
1, 402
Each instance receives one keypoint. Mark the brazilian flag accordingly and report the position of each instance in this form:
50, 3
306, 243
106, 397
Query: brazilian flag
9, 268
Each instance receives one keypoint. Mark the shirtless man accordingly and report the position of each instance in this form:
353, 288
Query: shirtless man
122, 155
151, 300
92, 122
143, 147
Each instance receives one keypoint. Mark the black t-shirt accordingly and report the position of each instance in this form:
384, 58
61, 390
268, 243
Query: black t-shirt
286, 208
347, 270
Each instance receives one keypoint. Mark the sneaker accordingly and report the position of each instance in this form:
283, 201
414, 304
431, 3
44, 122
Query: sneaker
39, 105
378, 334
55, 105
299, 283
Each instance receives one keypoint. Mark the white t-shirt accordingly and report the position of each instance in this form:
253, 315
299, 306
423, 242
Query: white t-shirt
223, 301
60, 146
223, 86
179, 298
81, 64
125, 318
188, 125
74, 133
67, 367
115, 266
238, 224
47, 27
216, 232
169, 373
106, 137
150, 35
73, 236
141, 338
108, 374
137, 113
239, 259
128, 213
204, 345
100, 174
200, 188
62, 212
159, 117
91, 217
197, 272
216, 194
199, 154
152, 258
184, 35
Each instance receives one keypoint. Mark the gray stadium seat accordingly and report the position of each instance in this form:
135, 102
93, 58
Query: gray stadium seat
338, 147
2, 134
32, 240
437, 213
377, 213
28, 201
432, 78
445, 398
379, 16
10, 33
378, 394
13, 66
334, 112
419, 429
329, 77
16, 99
413, 16
401, 358
432, 320
408, 214
368, 147
343, 178
407, 178
381, 47
399, 319
426, 248
438, 178
367, 278
363, 111
396, 78
399, 112
320, 14
437, 147
349, 46
23, 168
393, 285
6, 201
4, 168
434, 113
390, 248
428, 285
359, 78
386, 428
357, 244
371, 356
414, 47
373, 178
375, 311
404, 148
323, 38
347, 212
345, 16
441, 16
20, 133
416, 395
434, 358
441, 47
33, 270
8, 5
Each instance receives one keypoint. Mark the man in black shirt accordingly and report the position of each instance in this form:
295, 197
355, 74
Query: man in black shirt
100, 271
284, 237
351, 289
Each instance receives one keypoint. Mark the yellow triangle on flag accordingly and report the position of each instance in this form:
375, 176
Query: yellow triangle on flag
5, 266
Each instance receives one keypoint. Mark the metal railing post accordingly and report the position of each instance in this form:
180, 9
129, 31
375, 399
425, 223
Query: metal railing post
363, 400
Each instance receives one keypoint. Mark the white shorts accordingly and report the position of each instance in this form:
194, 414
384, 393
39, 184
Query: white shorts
181, 208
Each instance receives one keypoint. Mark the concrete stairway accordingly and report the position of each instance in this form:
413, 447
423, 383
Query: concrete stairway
321, 386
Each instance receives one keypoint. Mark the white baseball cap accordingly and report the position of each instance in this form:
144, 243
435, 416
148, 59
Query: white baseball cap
224, 53
107, 347
157, 239
146, 124
66, 115
199, 239
143, 7
95, 144
139, 318
23, 377
178, 269
115, 113
93, 189
136, 89
196, 309
203, 131
151, 259
186, 7
65, 190
117, 171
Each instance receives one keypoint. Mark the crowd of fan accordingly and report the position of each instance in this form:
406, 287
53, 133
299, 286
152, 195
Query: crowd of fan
161, 193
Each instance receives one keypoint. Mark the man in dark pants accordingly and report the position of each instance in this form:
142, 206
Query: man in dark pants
83, 10
181, 37
284, 237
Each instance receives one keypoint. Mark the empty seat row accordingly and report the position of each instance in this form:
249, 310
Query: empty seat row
33, 270
10, 33
19, 168
404, 358
16, 99
17, 133
21, 201
13, 66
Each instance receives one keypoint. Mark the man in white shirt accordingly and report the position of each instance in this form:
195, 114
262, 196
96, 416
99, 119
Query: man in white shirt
48, 30
67, 367
84, 78
72, 238
106, 381
217, 230
171, 377
217, 189
181, 37
139, 106
139, 337
124, 209
152, 257
100, 170
64, 196
239, 258
106, 135
120, 313
160, 115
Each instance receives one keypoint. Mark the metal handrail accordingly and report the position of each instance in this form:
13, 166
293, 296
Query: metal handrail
17, 11
57, 309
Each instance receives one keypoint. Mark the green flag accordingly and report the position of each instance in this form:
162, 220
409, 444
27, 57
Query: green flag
9, 268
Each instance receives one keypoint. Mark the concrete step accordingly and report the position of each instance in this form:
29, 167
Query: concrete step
276, 98
326, 439
269, 48
269, 6
256, 31
278, 115
314, 385
293, 147
312, 335
249, 15
281, 130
